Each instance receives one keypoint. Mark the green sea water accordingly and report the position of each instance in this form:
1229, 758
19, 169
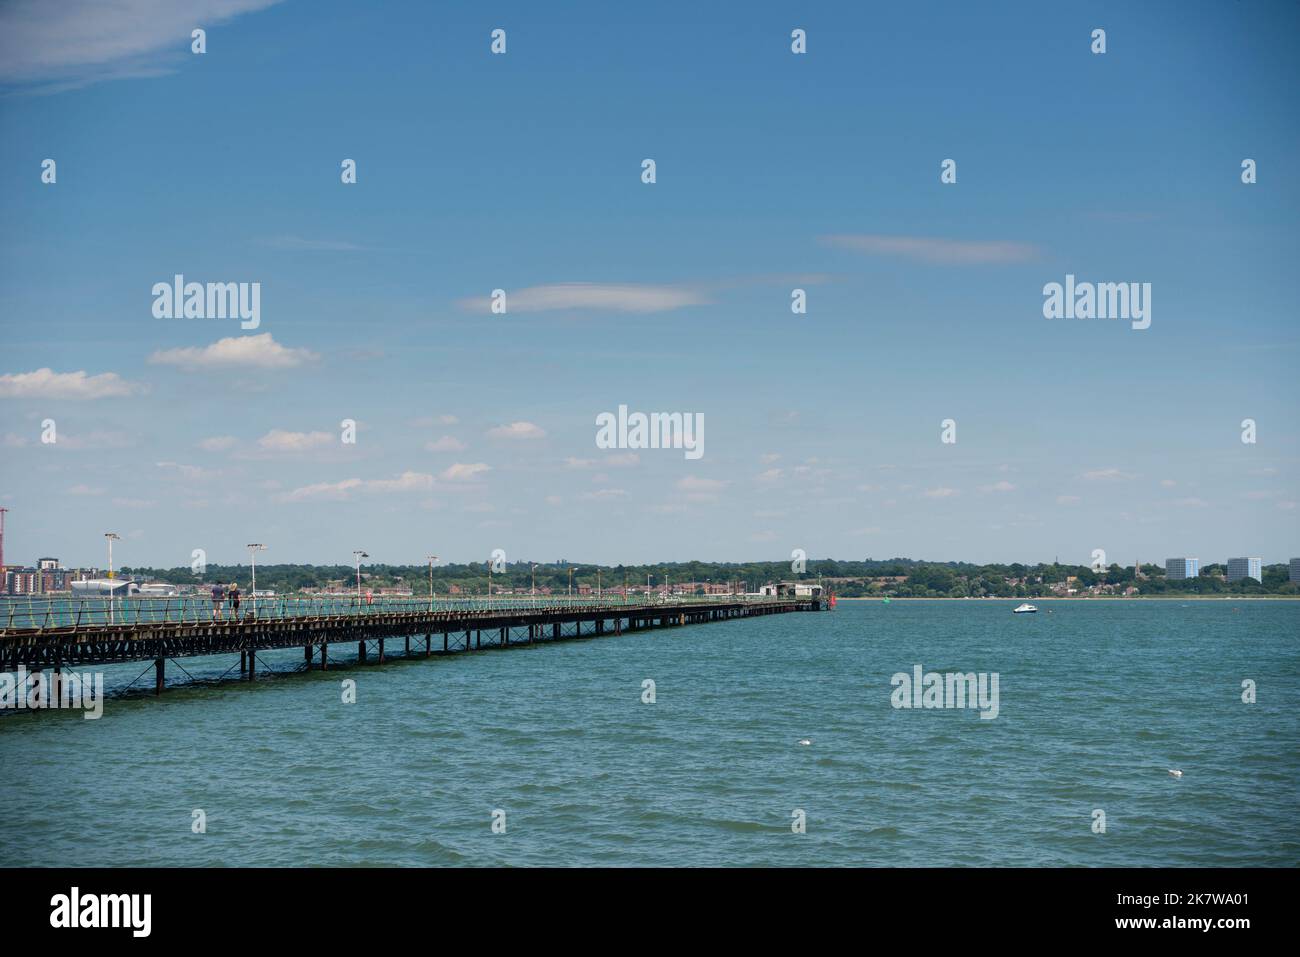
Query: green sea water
1097, 702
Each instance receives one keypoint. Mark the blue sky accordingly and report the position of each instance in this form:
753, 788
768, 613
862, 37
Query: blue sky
522, 171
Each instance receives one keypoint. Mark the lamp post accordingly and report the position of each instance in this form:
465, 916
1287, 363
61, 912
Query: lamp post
599, 594
432, 559
532, 588
359, 554
253, 549
111, 537
571, 581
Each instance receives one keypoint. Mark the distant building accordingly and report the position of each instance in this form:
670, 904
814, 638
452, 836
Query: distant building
1178, 569
45, 564
1239, 568
118, 587
159, 590
1295, 570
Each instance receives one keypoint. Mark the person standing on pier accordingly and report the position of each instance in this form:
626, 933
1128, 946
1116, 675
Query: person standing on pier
218, 596
233, 595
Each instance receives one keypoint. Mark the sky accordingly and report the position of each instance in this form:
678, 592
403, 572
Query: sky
523, 171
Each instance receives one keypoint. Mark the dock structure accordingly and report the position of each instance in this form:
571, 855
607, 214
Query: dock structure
65, 634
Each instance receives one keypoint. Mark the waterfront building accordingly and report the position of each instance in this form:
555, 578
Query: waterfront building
1295, 570
1239, 568
1178, 569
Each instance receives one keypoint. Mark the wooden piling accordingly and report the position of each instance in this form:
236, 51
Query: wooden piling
158, 671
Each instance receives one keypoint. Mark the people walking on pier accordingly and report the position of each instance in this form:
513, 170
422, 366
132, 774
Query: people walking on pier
233, 595
218, 596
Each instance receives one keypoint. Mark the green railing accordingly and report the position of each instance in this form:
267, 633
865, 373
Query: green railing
33, 611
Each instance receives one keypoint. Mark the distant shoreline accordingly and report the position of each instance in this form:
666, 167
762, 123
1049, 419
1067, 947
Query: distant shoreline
881, 598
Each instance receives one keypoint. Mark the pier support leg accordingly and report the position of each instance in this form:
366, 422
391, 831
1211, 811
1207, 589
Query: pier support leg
478, 639
361, 652
306, 655
158, 672
503, 637
381, 651
408, 646
555, 630
444, 642
252, 664
467, 639
324, 663
243, 663
428, 644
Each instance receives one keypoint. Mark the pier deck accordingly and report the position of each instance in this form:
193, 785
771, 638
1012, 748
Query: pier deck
70, 634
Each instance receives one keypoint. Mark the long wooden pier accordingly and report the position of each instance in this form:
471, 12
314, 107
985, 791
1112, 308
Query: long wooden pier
144, 630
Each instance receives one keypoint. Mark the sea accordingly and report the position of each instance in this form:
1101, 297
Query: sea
772, 741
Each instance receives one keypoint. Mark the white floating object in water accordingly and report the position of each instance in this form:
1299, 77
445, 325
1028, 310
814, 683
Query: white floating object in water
805, 740
1177, 774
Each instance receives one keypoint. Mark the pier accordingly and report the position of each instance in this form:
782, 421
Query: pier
53, 634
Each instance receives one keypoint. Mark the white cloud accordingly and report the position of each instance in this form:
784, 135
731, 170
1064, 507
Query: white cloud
218, 443
464, 472
1107, 475
943, 251
611, 297
940, 492
48, 384
517, 430
572, 463
622, 460
1067, 500
278, 440
258, 352
85, 490
83, 41
603, 494
339, 491
1003, 486
1167, 483
447, 443
1192, 502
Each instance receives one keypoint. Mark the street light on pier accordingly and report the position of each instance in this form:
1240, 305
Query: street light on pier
253, 549
570, 581
359, 554
432, 559
532, 589
111, 537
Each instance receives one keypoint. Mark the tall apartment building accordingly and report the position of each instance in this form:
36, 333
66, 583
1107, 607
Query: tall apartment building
1239, 568
1177, 569
1295, 570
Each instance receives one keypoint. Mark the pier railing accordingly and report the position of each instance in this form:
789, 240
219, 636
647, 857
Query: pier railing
36, 612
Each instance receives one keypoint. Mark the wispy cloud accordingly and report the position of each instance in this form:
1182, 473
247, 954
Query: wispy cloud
257, 352
48, 384
610, 297
1108, 475
464, 471
949, 252
517, 430
448, 443
340, 491
77, 42
278, 440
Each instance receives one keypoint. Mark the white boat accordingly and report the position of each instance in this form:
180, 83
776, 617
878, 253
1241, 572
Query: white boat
1025, 609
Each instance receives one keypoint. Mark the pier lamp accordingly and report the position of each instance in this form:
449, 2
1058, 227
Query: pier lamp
253, 549
570, 581
532, 588
432, 559
111, 537
359, 554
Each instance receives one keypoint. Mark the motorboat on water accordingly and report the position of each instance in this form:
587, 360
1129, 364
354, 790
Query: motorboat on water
1024, 609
